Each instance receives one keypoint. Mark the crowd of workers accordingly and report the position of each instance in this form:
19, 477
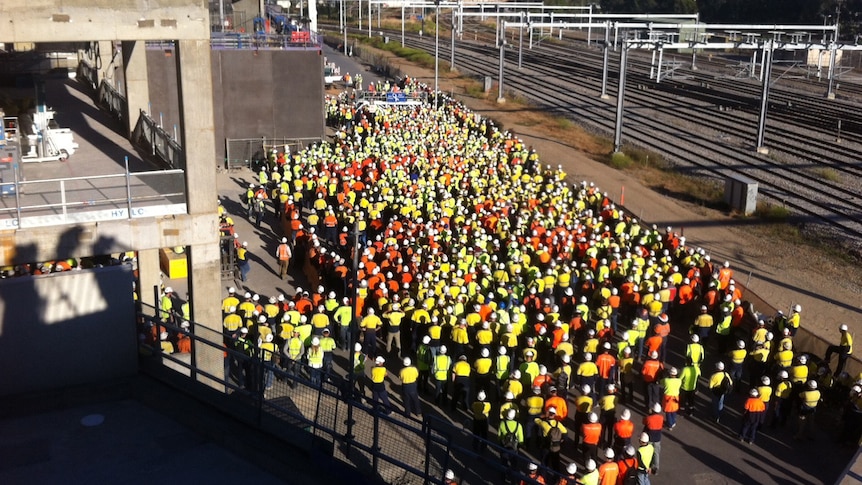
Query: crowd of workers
488, 281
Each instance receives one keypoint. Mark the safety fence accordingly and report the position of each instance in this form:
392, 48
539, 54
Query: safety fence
110, 100
330, 415
126, 195
253, 152
150, 136
87, 74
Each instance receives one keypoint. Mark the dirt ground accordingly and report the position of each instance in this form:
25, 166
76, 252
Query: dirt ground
779, 272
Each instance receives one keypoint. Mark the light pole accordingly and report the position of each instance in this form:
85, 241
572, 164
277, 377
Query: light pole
436, 50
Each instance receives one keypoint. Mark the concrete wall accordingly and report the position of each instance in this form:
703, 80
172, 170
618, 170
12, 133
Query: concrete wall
272, 94
89, 20
66, 329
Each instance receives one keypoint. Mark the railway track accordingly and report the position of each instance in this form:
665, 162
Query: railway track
833, 205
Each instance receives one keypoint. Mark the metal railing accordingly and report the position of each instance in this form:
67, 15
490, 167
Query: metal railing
96, 197
111, 101
390, 448
87, 74
260, 40
149, 135
251, 152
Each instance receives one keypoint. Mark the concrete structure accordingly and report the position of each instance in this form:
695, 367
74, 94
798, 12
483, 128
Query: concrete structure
132, 22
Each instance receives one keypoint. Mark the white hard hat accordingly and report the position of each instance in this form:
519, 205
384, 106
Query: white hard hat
586, 389
719, 365
572, 468
284, 240
740, 344
450, 475
626, 415
269, 337
481, 396
552, 410
533, 467
511, 413
485, 352
168, 289
644, 438
656, 408
812, 384
357, 347
609, 454
797, 308
315, 341
163, 335
407, 361
591, 465
426, 340
594, 418
379, 360
843, 328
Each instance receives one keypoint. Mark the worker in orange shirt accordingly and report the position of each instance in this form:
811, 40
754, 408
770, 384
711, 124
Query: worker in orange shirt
623, 430
752, 416
557, 402
609, 471
592, 433
650, 372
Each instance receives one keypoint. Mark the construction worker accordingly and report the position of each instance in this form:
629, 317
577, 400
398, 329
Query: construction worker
592, 475
672, 385
752, 417
283, 253
688, 386
653, 426
535, 407
184, 342
358, 371
440, 371
703, 324
409, 375
553, 436
645, 456
651, 374
269, 356
481, 409
369, 324
511, 436
166, 306
449, 478
558, 402
393, 319
720, 384
623, 430
314, 357
571, 477
461, 383
379, 394
737, 362
843, 349
808, 401
242, 261
424, 361
293, 350
533, 476
609, 471
783, 393
229, 301
591, 433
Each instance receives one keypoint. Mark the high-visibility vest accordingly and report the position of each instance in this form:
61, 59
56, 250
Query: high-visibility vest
315, 358
646, 453
283, 252
810, 398
294, 348
267, 350
441, 367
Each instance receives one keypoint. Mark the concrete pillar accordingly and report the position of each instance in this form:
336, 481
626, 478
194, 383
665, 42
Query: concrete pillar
105, 68
149, 276
198, 140
137, 88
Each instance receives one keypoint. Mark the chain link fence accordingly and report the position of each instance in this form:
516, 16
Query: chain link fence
253, 152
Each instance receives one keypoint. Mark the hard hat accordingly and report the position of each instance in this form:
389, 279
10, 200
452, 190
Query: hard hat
591, 465
719, 365
315, 341
626, 415
695, 338
765, 380
379, 360
644, 438
552, 410
630, 451
481, 396
552, 389
357, 347
797, 308
243, 330
510, 414
594, 418
656, 408
168, 289
754, 393
450, 475
283, 240
586, 389
740, 344
426, 340
232, 309
269, 337
442, 349
611, 388
672, 371
509, 395
502, 350
606, 346
566, 358
653, 355
812, 385
588, 356
572, 468
485, 352
231, 290
782, 374
787, 345
842, 328
609, 454
407, 361
533, 467
261, 319
163, 335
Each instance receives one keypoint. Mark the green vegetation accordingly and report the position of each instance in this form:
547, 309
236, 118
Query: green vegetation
827, 173
772, 212
415, 56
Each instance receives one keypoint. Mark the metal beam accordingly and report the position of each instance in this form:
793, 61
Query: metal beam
621, 92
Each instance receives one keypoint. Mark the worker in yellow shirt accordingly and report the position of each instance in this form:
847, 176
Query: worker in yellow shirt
232, 321
379, 394
843, 349
481, 408
369, 325
409, 388
461, 383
